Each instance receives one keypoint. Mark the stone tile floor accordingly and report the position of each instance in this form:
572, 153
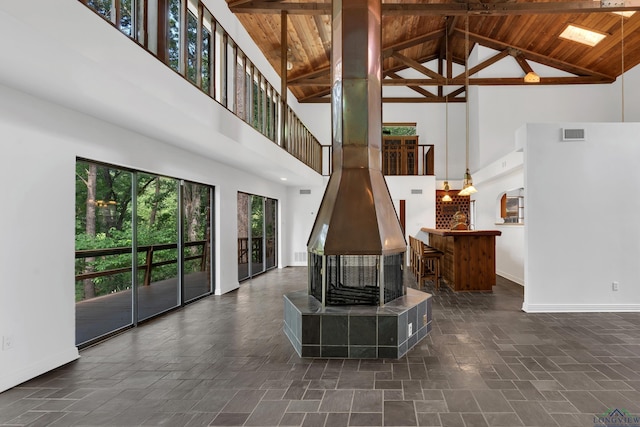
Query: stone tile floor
224, 361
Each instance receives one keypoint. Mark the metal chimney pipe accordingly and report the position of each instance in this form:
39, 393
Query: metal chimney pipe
357, 216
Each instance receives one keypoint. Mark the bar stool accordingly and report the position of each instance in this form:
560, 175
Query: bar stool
431, 260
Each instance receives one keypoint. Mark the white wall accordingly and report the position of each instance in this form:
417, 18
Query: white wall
494, 180
501, 110
302, 207
581, 229
102, 97
40, 144
419, 210
430, 119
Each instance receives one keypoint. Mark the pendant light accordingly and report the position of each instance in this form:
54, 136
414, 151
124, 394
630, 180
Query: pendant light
467, 186
446, 197
622, 63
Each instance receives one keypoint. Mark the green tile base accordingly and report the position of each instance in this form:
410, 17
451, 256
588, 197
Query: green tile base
356, 332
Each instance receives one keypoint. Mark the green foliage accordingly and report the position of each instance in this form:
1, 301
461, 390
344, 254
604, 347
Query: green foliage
105, 284
257, 216
103, 7
174, 34
206, 64
125, 17
399, 130
192, 42
157, 219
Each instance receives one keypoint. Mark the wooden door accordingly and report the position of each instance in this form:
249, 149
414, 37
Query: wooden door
400, 155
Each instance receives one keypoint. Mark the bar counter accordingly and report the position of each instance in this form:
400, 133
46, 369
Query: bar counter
469, 257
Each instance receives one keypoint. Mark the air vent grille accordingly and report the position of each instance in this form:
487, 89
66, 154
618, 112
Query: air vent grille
573, 134
305, 191
416, 191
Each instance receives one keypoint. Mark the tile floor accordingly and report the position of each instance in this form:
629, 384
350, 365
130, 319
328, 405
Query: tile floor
225, 361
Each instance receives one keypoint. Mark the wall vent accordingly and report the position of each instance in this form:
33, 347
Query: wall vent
416, 191
300, 256
305, 191
573, 134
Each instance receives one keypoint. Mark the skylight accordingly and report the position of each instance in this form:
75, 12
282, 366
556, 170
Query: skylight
626, 13
582, 35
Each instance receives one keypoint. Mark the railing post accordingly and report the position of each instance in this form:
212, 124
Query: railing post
148, 266
205, 250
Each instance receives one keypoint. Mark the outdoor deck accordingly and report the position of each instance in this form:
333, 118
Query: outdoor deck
101, 315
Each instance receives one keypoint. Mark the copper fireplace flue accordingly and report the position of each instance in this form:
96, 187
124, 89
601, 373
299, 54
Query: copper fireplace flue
356, 217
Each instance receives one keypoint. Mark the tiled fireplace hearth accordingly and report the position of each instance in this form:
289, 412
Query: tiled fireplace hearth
361, 332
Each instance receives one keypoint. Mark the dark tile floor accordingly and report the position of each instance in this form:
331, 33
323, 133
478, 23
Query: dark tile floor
224, 361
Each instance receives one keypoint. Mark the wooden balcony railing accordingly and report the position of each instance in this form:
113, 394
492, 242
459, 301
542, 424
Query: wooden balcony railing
401, 155
194, 44
256, 249
148, 265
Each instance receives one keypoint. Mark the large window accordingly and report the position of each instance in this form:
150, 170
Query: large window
143, 246
103, 250
157, 225
511, 207
257, 235
186, 37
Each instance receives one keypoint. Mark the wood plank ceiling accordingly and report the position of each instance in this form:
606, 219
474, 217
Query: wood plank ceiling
413, 39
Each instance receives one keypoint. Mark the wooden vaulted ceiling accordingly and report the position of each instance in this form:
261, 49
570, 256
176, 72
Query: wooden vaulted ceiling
413, 38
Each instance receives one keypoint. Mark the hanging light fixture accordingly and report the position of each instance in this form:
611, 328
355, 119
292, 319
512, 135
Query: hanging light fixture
622, 63
531, 77
446, 197
467, 184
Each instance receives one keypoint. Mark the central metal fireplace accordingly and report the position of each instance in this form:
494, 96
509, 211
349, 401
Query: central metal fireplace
356, 279
357, 305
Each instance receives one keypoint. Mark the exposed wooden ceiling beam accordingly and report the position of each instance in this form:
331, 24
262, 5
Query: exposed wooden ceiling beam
503, 8
266, 7
321, 96
484, 64
457, 92
320, 72
417, 66
237, 3
536, 57
325, 81
419, 100
498, 81
318, 95
389, 50
521, 60
444, 9
417, 89
388, 100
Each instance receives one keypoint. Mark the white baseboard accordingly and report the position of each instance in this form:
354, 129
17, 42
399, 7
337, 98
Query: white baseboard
20, 375
579, 308
518, 280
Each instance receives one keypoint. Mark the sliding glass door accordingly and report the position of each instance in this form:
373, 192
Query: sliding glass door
244, 251
270, 232
103, 250
257, 234
157, 237
143, 246
196, 214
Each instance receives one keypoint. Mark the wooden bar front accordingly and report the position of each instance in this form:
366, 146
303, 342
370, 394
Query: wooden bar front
469, 257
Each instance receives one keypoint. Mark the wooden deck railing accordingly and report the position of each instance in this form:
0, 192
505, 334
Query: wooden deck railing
149, 264
256, 248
